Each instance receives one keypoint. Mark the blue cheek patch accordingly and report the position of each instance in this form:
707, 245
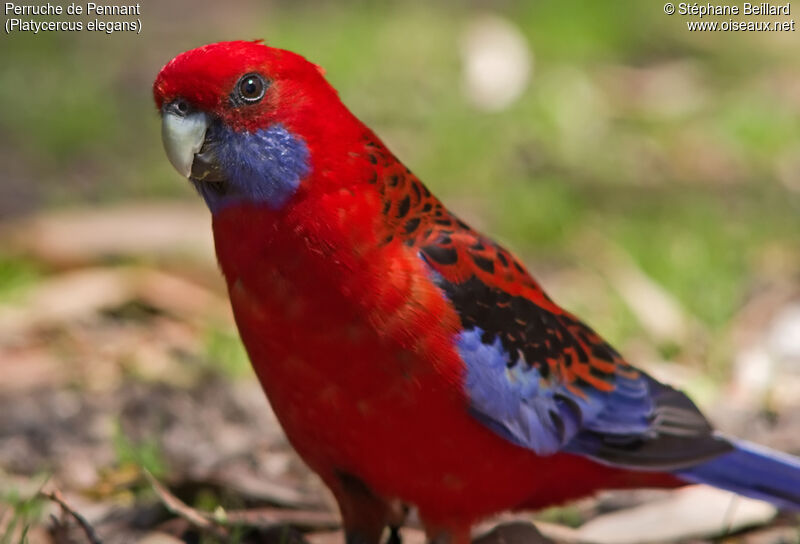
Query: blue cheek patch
265, 166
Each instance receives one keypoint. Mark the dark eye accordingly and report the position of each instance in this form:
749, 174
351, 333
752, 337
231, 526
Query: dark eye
251, 88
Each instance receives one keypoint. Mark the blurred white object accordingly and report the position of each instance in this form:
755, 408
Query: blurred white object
784, 336
768, 365
497, 62
689, 513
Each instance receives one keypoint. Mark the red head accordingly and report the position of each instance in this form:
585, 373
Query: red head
249, 122
207, 78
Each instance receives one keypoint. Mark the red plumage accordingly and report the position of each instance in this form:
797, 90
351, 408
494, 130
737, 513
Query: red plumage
339, 299
353, 346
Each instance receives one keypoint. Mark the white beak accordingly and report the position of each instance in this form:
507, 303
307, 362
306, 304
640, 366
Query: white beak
183, 136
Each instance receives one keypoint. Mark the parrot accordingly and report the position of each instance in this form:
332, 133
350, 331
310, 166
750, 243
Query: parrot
411, 360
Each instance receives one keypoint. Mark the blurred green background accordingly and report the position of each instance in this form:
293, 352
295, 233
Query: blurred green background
679, 149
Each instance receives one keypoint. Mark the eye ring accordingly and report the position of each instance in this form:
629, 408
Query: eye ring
250, 88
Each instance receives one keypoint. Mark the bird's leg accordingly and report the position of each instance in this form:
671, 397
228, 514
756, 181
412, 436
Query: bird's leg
364, 514
394, 535
397, 517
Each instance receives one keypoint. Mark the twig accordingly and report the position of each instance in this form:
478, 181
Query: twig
198, 519
57, 498
308, 520
258, 519
262, 491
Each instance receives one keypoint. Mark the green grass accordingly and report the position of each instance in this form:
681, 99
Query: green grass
702, 246
226, 355
16, 275
22, 513
146, 454
562, 515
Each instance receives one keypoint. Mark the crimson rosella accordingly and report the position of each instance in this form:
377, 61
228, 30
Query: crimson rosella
410, 359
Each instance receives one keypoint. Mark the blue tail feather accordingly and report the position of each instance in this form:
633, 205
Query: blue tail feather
753, 471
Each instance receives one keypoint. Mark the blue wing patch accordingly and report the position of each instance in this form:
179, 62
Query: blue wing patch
543, 415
